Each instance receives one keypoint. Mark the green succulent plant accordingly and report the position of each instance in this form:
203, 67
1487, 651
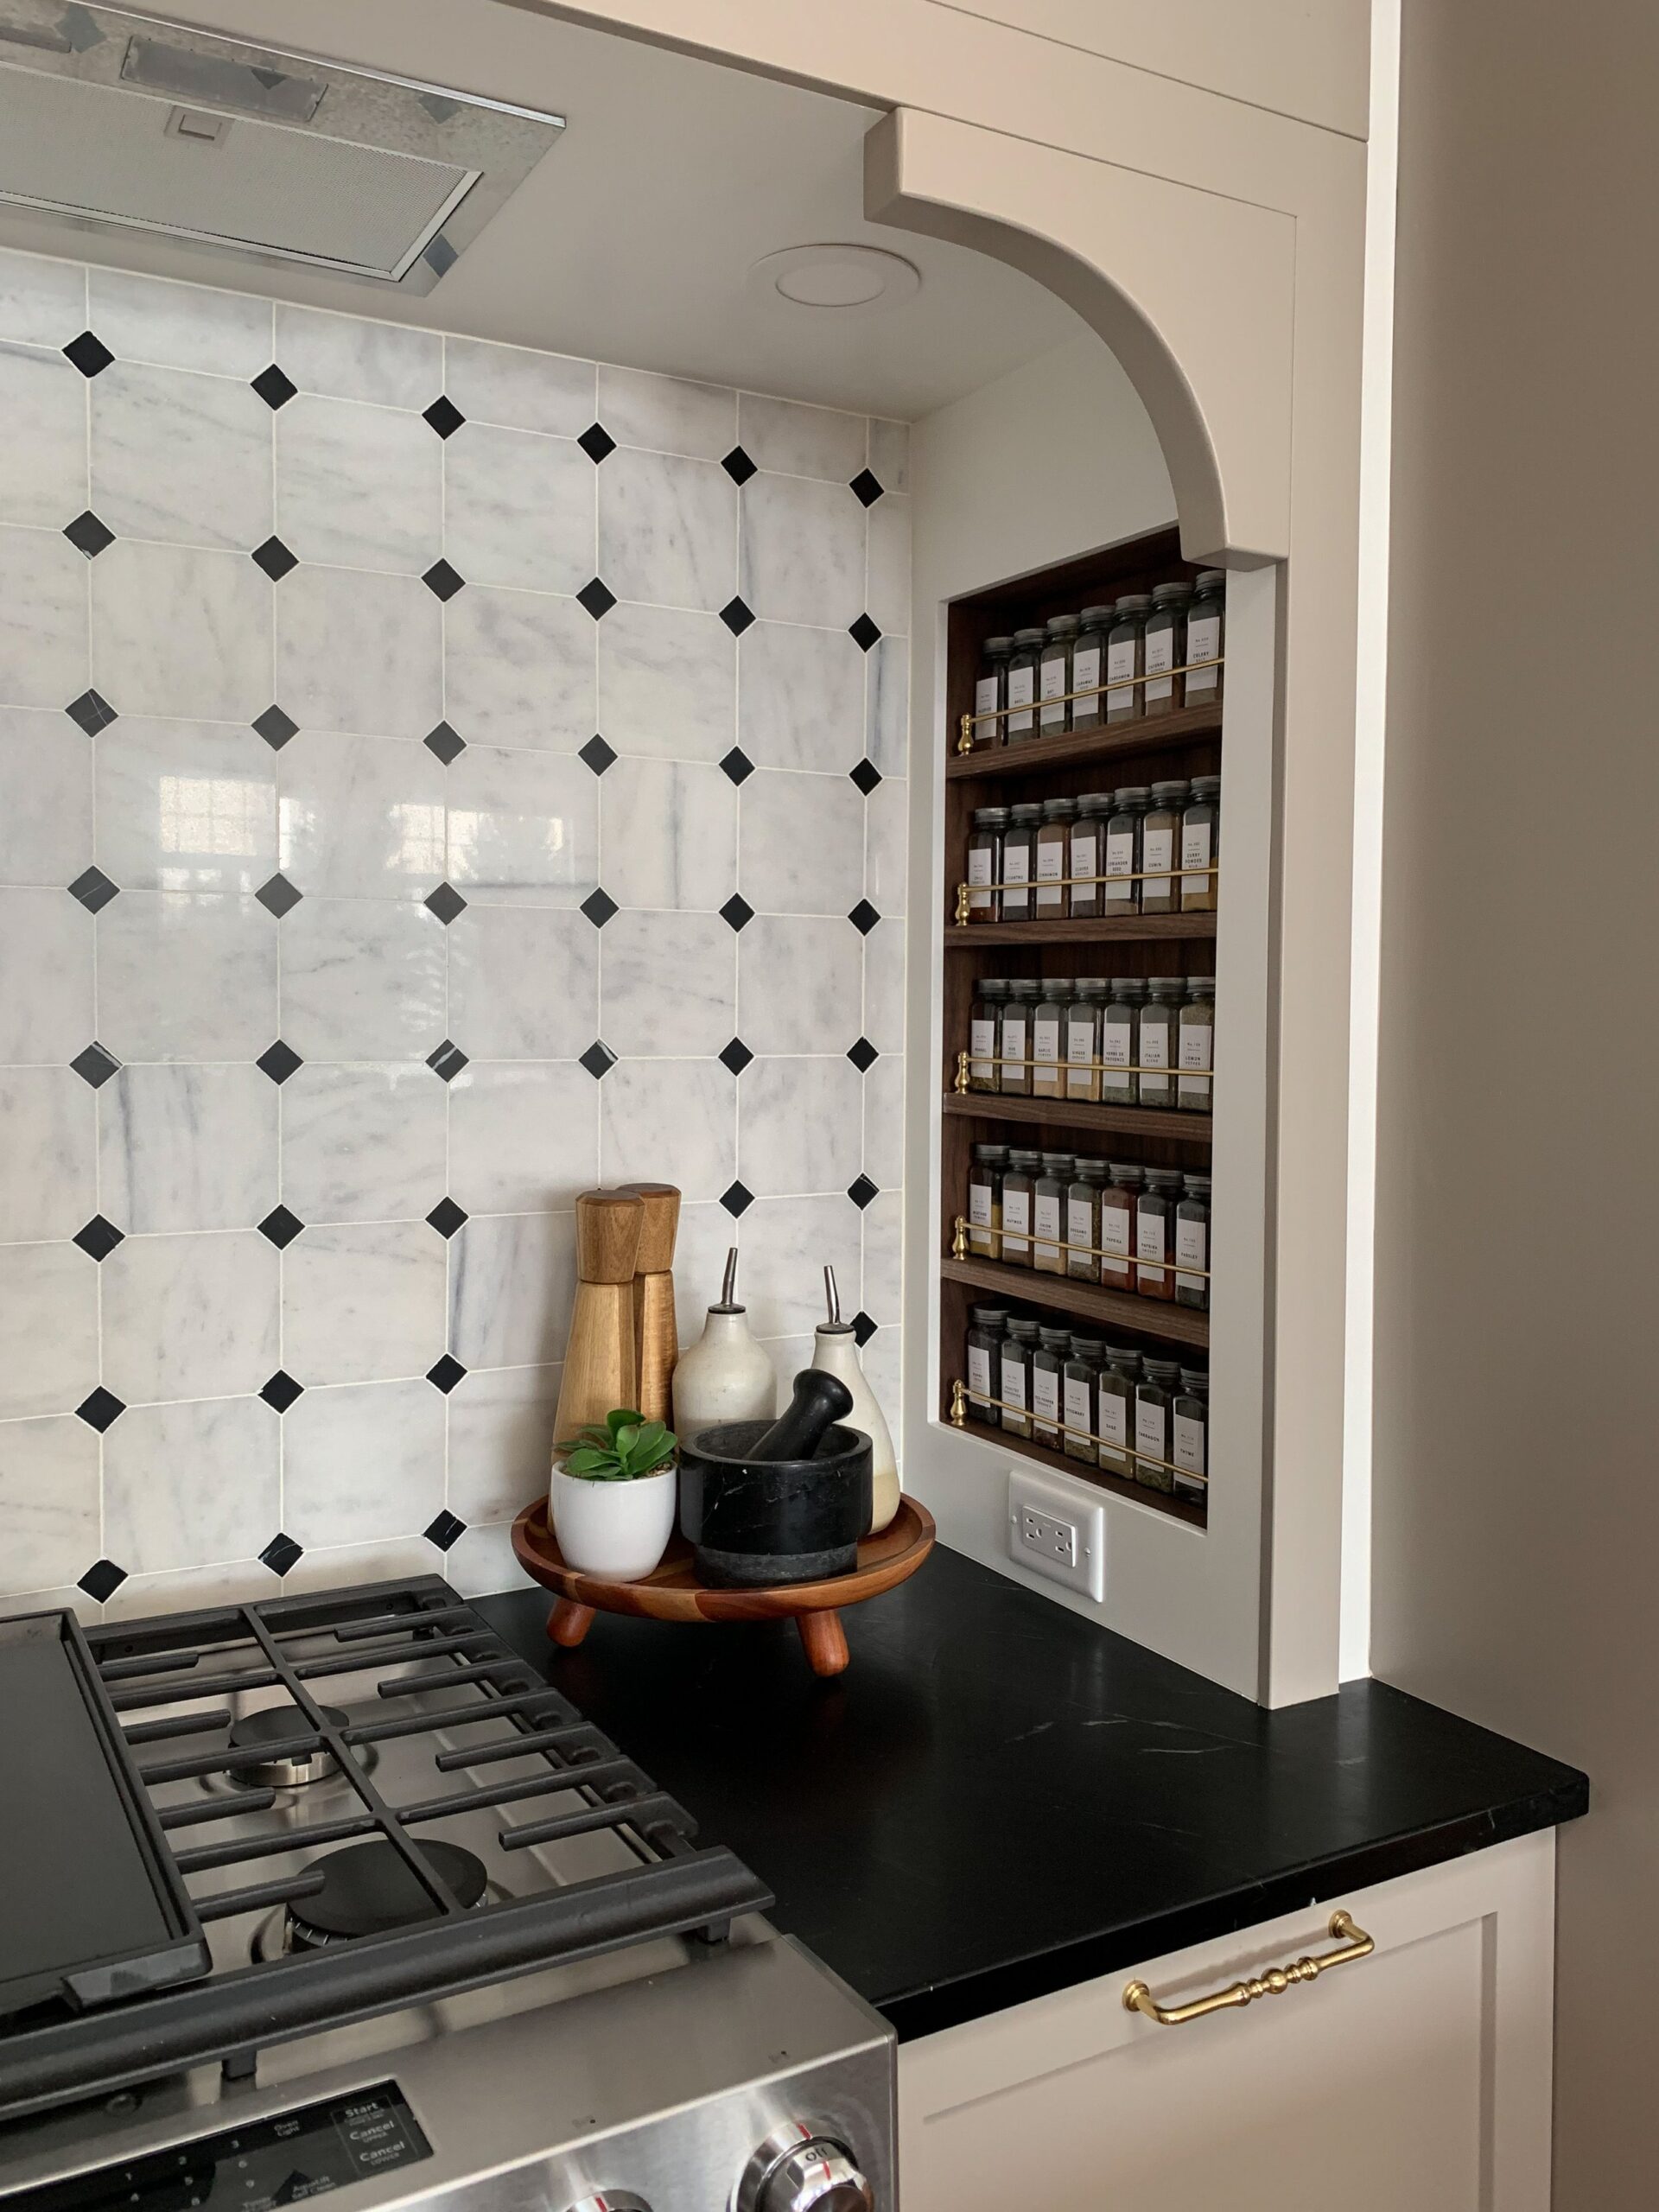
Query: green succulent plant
626, 1447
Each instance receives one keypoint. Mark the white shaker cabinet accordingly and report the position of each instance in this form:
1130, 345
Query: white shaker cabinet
1414, 2080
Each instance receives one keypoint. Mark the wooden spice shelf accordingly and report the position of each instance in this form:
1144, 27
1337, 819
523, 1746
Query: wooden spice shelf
1130, 930
1079, 748
1147, 1317
1081, 1113
1177, 1508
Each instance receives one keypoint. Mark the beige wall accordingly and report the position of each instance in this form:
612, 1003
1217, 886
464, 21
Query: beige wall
1517, 1513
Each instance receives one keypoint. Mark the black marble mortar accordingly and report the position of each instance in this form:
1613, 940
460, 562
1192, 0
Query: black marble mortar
759, 1523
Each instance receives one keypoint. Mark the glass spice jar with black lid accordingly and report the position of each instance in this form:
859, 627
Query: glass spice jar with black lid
1160, 844
1023, 663
984, 1031
985, 1200
1166, 648
1196, 1045
991, 691
1014, 1038
1201, 845
1019, 1195
1160, 1021
1048, 1036
1019, 1345
1114, 1410
1019, 859
1205, 626
1047, 1385
1088, 854
1118, 1204
1083, 1038
1080, 1379
1048, 1213
1119, 1030
1122, 888
1155, 1397
987, 1326
1083, 1220
1053, 854
1126, 657
1054, 676
1089, 667
985, 863
1192, 1244
1154, 1233
1189, 1437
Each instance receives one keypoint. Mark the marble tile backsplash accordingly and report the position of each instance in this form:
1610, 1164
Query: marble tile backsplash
434, 777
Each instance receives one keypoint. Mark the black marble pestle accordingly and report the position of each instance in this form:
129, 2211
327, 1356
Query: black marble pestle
818, 1400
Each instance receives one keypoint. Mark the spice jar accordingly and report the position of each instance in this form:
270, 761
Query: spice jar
1205, 623
1166, 648
1122, 868
1023, 661
1189, 1437
1114, 1410
1118, 1202
985, 1200
1195, 1050
986, 1325
1125, 655
1089, 666
1014, 1037
1155, 1233
1119, 1027
991, 690
1192, 1244
1083, 1220
1020, 859
1079, 1380
985, 1029
1201, 844
1053, 852
985, 863
1048, 1036
1048, 1385
1154, 1395
1160, 841
1018, 1346
1054, 676
1019, 1189
1157, 1047
1088, 853
1083, 1038
1048, 1213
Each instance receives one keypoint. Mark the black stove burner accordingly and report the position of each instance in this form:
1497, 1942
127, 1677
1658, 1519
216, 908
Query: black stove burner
369, 1889
281, 1723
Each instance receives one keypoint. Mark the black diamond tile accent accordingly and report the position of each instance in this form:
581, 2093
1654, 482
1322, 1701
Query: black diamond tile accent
446, 903
865, 775
863, 1329
864, 917
99, 1238
278, 1061
737, 912
445, 1373
445, 742
597, 754
95, 1066
281, 1227
103, 1580
277, 896
448, 1061
863, 1055
444, 1531
736, 1056
274, 558
88, 535
280, 1393
736, 617
597, 443
93, 889
599, 906
736, 1201
100, 1409
861, 1191
599, 1059
863, 633
91, 712
89, 354
866, 489
281, 1552
273, 388
738, 466
276, 728
738, 765
444, 415
597, 597
443, 581
447, 1216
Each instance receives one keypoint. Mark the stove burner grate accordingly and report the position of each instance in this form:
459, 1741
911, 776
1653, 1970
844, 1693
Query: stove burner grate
369, 1889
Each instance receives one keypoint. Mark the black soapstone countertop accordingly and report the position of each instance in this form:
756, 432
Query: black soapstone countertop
999, 1799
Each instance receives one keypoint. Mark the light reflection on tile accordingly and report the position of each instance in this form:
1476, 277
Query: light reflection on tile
523, 826
185, 806
361, 817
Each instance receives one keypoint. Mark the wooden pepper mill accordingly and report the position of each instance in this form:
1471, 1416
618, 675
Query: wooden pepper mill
601, 1361
656, 1344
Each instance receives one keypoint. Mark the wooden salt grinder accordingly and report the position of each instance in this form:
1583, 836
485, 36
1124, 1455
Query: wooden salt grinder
657, 1343
601, 1368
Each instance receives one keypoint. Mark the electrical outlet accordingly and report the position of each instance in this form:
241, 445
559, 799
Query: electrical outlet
1058, 1529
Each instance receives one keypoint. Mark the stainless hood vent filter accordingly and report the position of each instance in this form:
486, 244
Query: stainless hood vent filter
111, 118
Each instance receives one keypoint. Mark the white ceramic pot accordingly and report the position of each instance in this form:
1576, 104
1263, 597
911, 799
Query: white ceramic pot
617, 1530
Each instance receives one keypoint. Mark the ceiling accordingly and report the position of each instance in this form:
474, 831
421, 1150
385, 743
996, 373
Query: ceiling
631, 240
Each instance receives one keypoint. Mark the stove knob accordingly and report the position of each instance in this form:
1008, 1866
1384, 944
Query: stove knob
795, 2171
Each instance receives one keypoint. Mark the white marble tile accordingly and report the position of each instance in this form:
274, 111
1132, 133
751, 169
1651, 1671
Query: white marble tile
667, 414
45, 772
190, 1316
358, 486
49, 1154
884, 986
483, 1561
667, 530
180, 457
667, 682
886, 714
363, 1462
882, 1361
359, 652
362, 1143
888, 591
788, 1355
519, 388
802, 551
501, 1439
49, 1503
787, 1244
180, 326
511, 1281
185, 806
187, 1147
184, 1484
884, 1286
800, 698
887, 838
800, 1126
523, 1136
361, 818
518, 669
48, 1325
341, 1567
668, 1122
884, 1121
44, 481
524, 828
363, 979
523, 983
42, 303
890, 453
46, 977
353, 359
43, 649
669, 835
185, 1590
707, 1234
361, 1300
185, 976
519, 509
799, 985
802, 843
179, 631
798, 441
668, 984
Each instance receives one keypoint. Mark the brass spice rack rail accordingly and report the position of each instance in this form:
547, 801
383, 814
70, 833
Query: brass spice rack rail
1128, 929
1082, 748
963, 1395
1087, 1302
968, 1060
1033, 887
961, 1249
1034, 706
1080, 1114
1031, 1447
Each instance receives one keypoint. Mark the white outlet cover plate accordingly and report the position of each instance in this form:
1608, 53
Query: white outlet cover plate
1058, 1499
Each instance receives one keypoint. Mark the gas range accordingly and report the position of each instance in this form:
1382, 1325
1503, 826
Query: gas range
333, 1893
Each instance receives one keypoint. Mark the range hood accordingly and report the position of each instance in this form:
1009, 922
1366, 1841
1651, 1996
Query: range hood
111, 118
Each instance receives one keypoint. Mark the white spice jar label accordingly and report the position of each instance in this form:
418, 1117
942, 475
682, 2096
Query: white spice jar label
985, 695
1046, 1393
1120, 862
1115, 1043
1188, 1445
1159, 859
1203, 643
979, 1370
1045, 1039
979, 1204
1022, 685
1078, 1396
1112, 1420
1079, 1222
1160, 658
1086, 668
1149, 1429
982, 1045
1014, 1382
1053, 717
1195, 853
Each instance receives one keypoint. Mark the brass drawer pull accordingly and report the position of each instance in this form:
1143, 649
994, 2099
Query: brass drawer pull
1355, 1944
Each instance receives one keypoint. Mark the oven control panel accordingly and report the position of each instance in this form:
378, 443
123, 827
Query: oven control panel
256, 2168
